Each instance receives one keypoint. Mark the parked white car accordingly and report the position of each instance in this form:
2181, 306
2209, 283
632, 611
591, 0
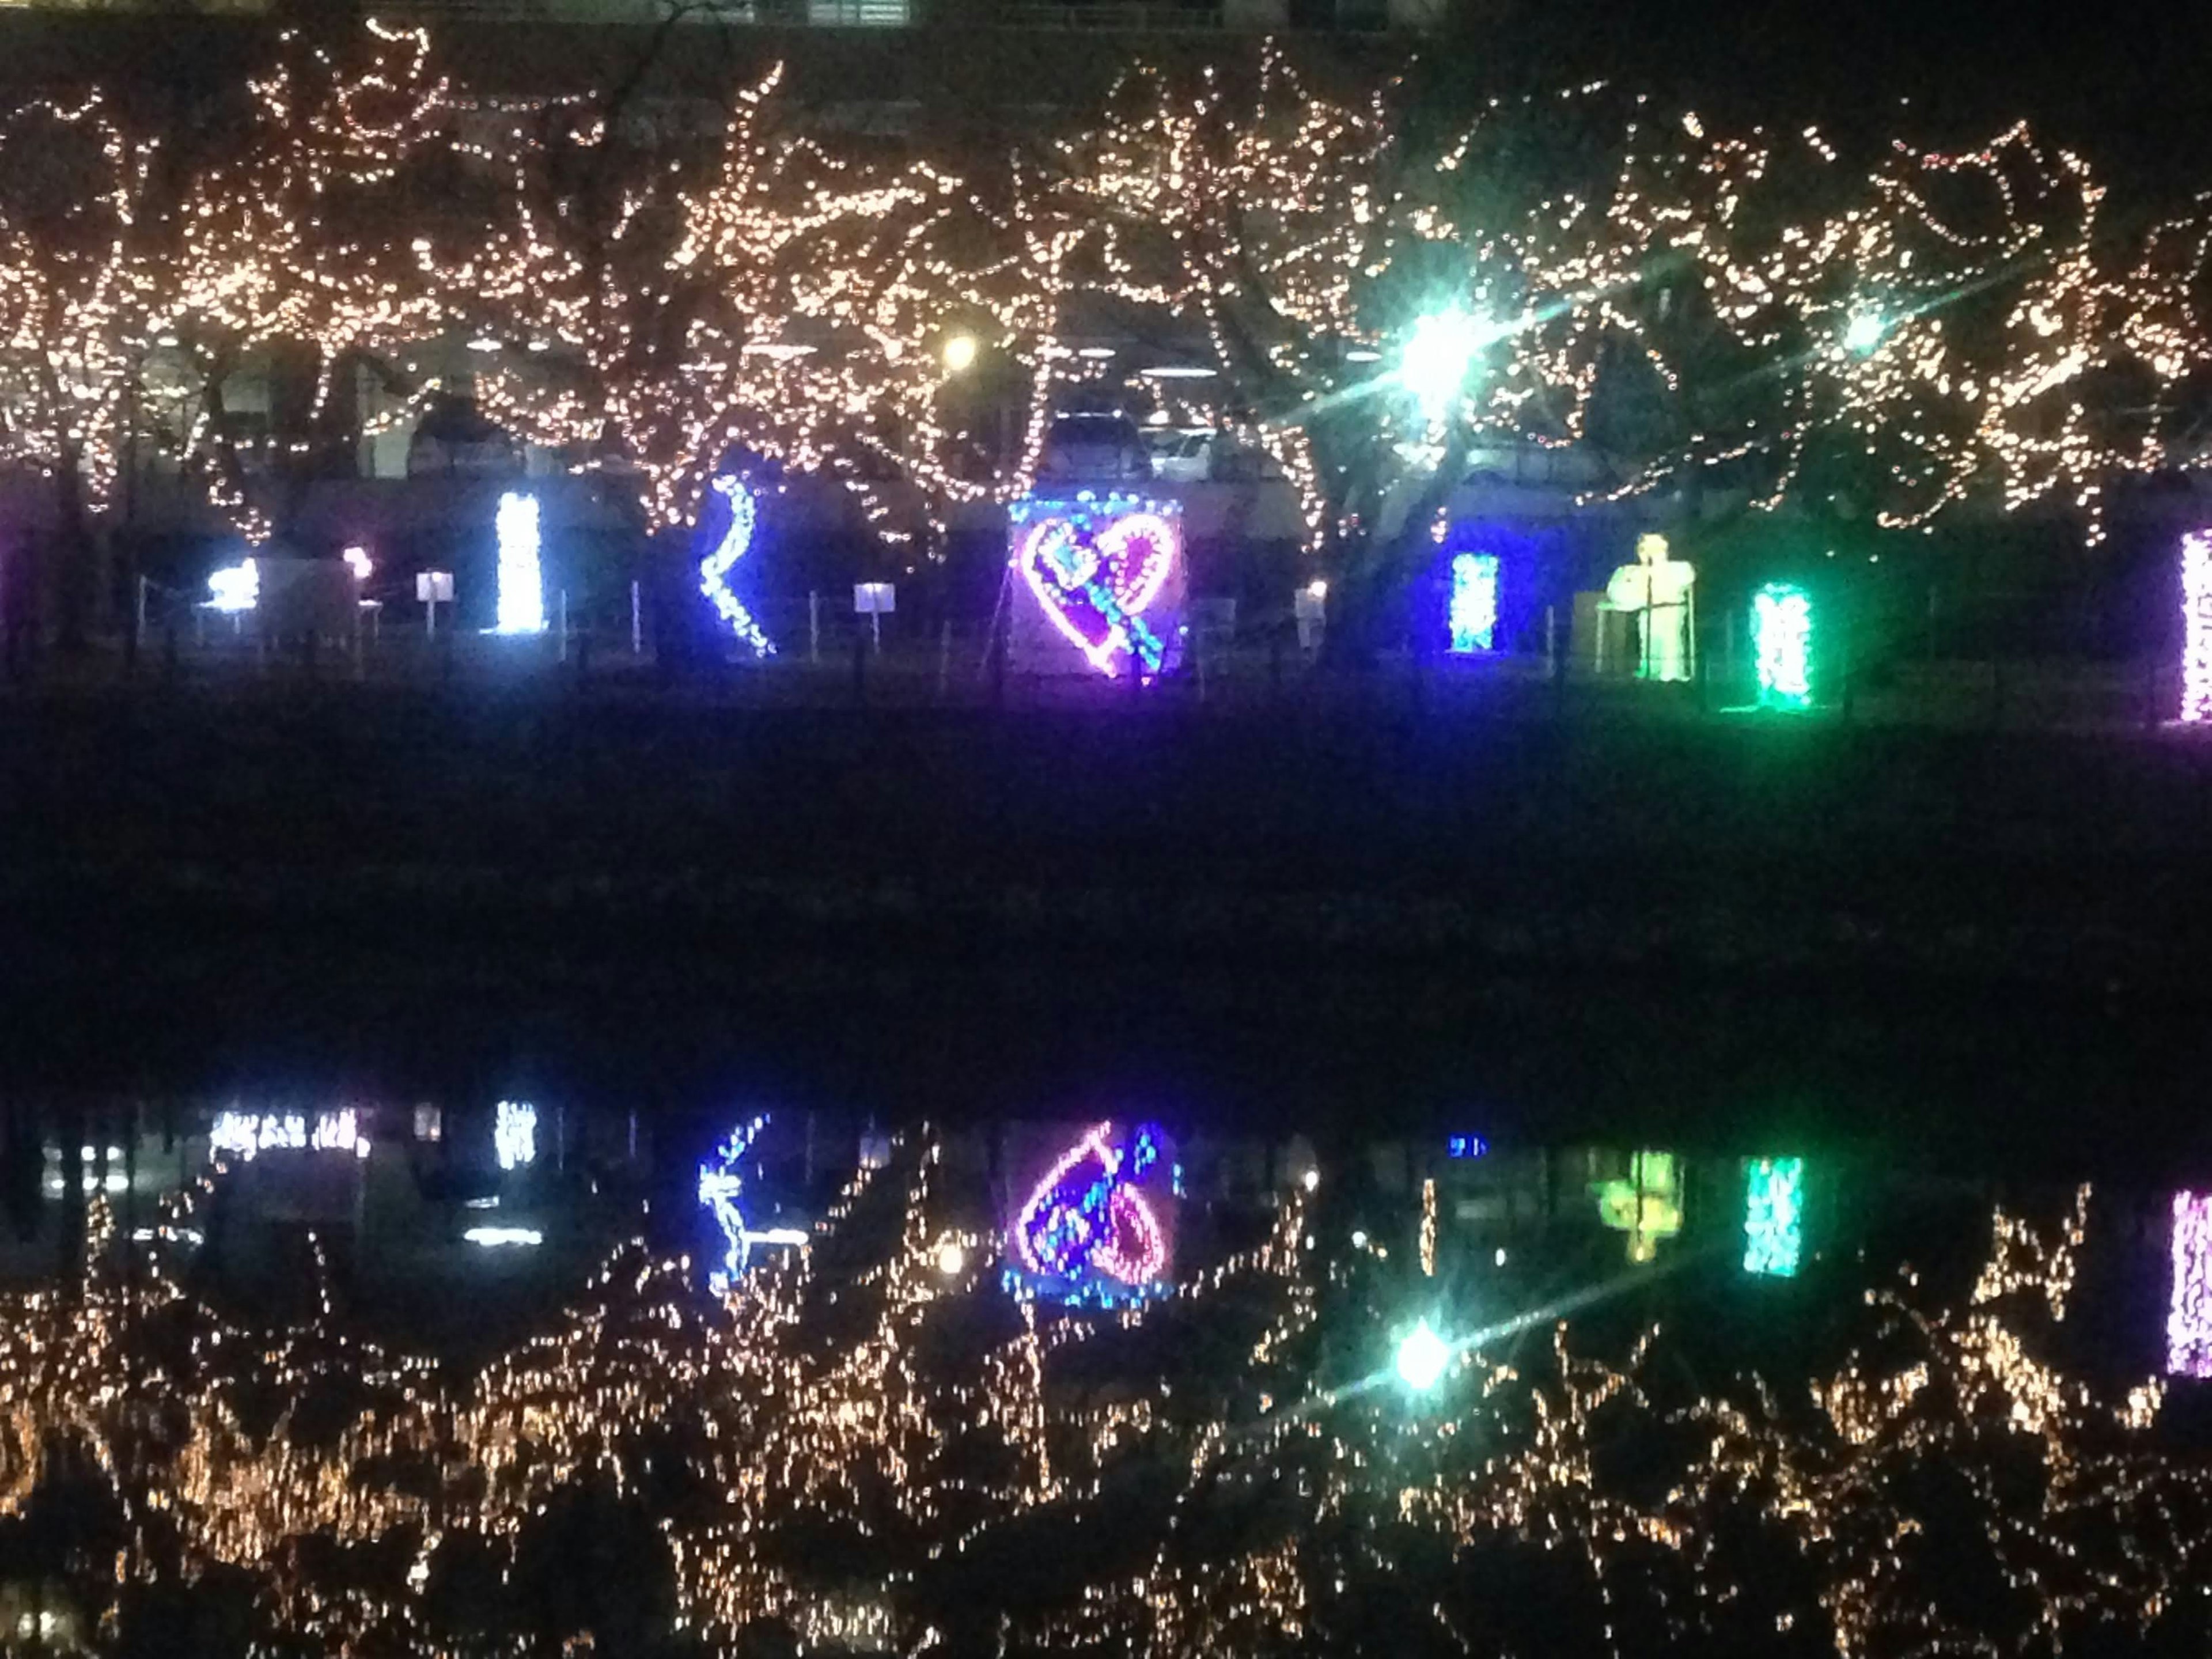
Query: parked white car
1182, 455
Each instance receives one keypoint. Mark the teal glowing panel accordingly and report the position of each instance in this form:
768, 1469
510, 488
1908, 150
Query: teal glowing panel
1473, 606
1781, 642
1774, 1217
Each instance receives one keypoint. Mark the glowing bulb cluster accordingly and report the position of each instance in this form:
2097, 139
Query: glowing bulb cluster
1774, 1217
2196, 627
1781, 645
521, 573
1473, 607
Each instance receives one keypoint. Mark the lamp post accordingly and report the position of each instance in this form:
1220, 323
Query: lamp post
1864, 333
1438, 356
1423, 1358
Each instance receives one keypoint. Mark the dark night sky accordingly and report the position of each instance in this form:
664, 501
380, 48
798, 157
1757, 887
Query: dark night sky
2131, 81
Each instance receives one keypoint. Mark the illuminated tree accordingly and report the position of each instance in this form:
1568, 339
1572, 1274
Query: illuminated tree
86, 267
302, 238
1378, 285
666, 308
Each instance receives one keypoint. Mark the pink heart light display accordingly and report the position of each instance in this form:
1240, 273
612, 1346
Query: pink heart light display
1096, 584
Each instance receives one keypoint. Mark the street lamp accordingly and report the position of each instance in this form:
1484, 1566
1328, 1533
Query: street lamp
1863, 333
1438, 355
959, 353
1423, 1357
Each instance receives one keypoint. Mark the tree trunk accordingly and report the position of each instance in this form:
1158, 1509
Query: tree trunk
1377, 566
76, 575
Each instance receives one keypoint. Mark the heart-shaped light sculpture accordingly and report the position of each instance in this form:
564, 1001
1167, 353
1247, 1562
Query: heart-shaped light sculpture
1095, 566
1086, 1215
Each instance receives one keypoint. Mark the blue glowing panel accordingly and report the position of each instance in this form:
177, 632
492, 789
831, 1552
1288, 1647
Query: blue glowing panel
1466, 1147
721, 1184
1473, 616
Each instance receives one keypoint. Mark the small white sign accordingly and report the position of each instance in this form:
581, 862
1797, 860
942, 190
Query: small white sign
874, 598
434, 586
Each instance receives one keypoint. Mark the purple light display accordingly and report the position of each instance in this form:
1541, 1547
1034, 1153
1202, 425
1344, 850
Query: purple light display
2188, 1317
1096, 564
1086, 1216
2196, 627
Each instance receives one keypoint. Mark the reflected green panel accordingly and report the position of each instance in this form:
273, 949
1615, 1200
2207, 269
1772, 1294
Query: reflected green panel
1774, 1217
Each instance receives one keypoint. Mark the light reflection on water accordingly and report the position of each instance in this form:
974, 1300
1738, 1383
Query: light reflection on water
1105, 1384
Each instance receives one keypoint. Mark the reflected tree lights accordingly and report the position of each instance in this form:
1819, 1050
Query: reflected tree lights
824, 1401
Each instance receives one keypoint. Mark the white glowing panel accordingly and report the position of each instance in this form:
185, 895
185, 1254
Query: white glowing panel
522, 574
248, 1133
514, 1133
235, 588
494, 1237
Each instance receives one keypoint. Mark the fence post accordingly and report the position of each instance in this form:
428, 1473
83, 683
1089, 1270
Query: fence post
944, 658
1850, 674
564, 624
1559, 662
636, 619
859, 666
813, 626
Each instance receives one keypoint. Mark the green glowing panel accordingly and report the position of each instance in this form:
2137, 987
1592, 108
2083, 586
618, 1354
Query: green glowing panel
1774, 1217
1782, 642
